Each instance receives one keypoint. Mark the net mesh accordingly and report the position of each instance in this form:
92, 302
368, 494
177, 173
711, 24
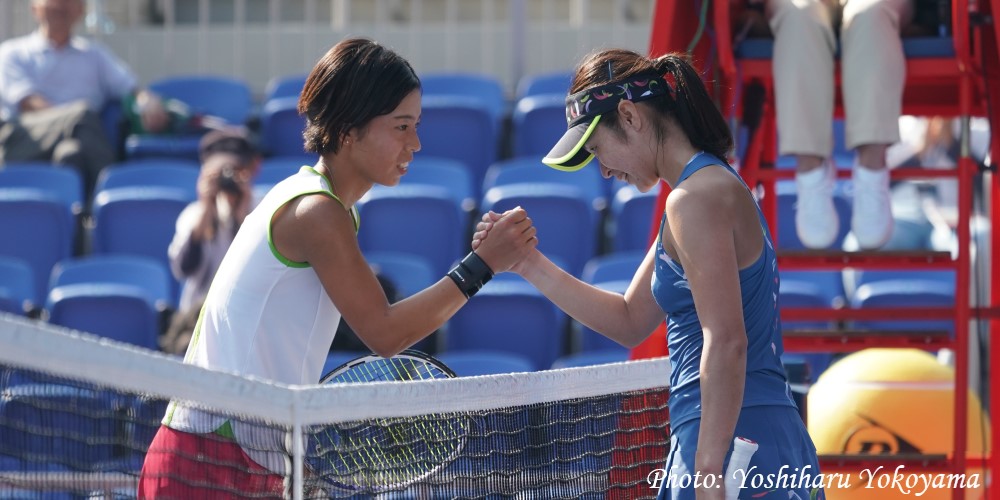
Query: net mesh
78, 416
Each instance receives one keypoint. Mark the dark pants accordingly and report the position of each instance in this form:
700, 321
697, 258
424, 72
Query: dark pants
69, 134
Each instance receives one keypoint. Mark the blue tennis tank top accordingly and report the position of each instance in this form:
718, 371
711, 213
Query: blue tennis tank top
765, 377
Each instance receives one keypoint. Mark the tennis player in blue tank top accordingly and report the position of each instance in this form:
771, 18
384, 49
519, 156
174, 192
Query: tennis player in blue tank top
712, 270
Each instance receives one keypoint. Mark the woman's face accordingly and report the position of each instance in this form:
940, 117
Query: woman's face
618, 157
386, 146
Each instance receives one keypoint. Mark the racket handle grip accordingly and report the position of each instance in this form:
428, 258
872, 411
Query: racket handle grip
743, 450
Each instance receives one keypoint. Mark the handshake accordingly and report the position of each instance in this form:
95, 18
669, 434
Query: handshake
505, 241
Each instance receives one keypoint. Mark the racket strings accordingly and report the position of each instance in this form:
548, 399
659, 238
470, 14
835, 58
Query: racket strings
385, 453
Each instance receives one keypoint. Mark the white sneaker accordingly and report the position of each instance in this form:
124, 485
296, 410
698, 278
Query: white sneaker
815, 216
871, 220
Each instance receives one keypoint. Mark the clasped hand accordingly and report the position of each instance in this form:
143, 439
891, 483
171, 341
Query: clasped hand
511, 239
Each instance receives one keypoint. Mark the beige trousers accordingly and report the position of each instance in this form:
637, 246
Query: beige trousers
873, 71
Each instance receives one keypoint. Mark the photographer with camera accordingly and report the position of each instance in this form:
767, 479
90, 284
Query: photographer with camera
206, 227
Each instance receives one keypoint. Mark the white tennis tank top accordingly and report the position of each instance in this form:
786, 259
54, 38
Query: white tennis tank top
264, 316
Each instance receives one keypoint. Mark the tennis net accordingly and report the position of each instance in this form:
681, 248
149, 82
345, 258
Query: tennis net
78, 414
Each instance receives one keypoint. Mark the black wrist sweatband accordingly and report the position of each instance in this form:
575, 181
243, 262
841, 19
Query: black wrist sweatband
470, 274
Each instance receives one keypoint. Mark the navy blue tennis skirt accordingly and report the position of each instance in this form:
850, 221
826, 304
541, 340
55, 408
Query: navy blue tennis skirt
783, 467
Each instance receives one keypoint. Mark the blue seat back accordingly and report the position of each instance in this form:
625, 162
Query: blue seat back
281, 127
508, 317
224, 97
421, 220
590, 358
474, 363
631, 219
71, 428
538, 122
138, 221
616, 266
555, 82
62, 183
17, 285
142, 272
529, 170
40, 231
443, 172
588, 340
409, 272
483, 88
461, 129
153, 172
114, 311
796, 293
285, 86
555, 211
914, 293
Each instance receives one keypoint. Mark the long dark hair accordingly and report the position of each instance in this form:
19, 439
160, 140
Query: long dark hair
690, 105
355, 81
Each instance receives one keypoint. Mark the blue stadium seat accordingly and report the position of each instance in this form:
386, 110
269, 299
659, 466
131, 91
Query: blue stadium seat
459, 128
285, 86
631, 219
278, 168
616, 266
73, 427
799, 293
474, 363
443, 172
555, 211
152, 172
114, 311
555, 82
508, 317
410, 273
914, 293
483, 88
590, 358
281, 127
537, 123
138, 221
421, 220
62, 183
38, 230
588, 181
588, 340
945, 278
17, 286
828, 285
144, 273
223, 97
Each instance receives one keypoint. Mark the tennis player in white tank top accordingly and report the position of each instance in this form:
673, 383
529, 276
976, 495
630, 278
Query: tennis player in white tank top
295, 267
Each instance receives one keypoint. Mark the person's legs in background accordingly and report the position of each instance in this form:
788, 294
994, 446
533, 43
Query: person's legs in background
69, 134
873, 75
803, 63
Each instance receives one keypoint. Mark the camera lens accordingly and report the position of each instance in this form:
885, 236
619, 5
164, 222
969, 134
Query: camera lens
227, 180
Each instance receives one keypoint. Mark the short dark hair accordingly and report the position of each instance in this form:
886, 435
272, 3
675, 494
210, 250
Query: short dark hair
354, 82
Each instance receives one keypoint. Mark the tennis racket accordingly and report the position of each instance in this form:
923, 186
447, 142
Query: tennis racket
387, 453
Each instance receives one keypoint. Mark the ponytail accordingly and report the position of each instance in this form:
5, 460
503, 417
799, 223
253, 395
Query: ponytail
693, 107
